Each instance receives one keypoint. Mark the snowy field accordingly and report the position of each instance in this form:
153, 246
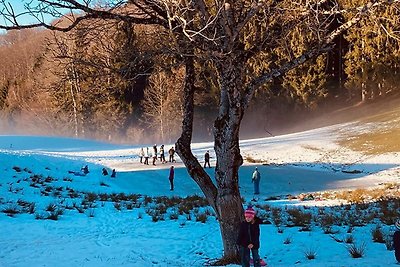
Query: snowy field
103, 235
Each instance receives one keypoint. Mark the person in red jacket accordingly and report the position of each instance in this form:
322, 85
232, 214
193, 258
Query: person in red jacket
249, 238
396, 241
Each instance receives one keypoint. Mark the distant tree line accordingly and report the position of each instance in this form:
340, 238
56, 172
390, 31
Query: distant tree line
107, 80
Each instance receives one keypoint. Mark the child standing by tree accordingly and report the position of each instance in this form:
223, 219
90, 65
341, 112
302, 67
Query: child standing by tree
249, 238
396, 241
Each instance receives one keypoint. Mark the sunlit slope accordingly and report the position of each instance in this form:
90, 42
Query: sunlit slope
378, 132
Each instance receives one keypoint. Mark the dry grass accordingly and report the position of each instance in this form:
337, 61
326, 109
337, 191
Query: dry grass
251, 159
309, 147
383, 138
374, 143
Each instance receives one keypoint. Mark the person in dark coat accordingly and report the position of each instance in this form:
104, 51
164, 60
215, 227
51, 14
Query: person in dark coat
207, 159
396, 241
113, 173
85, 169
171, 178
104, 171
171, 153
162, 156
249, 238
154, 154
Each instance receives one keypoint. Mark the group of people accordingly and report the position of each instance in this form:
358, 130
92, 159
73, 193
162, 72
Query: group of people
145, 154
105, 172
85, 170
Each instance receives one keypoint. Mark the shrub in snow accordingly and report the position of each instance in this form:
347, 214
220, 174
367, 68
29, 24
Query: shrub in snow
310, 253
134, 198
350, 229
28, 207
377, 235
201, 217
129, 205
174, 215
349, 239
80, 209
356, 251
157, 217
11, 210
122, 197
147, 200
287, 240
117, 206
55, 214
390, 211
299, 218
49, 179
326, 220
339, 240
329, 230
103, 197
277, 216
17, 169
51, 207
91, 197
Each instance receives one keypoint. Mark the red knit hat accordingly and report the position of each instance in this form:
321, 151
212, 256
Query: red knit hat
250, 212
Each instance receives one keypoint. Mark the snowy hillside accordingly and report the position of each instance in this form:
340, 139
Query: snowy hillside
51, 217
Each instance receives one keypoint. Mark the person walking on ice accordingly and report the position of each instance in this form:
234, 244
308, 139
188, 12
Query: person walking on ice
154, 154
141, 155
171, 153
207, 159
171, 178
146, 156
249, 238
256, 181
162, 156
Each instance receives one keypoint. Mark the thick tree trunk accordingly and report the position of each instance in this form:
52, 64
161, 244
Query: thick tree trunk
224, 197
226, 146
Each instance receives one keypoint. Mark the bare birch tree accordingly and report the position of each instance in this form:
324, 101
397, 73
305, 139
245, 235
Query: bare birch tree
162, 104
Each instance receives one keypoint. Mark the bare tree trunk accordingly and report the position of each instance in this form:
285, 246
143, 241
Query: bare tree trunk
74, 104
183, 145
78, 91
224, 197
226, 136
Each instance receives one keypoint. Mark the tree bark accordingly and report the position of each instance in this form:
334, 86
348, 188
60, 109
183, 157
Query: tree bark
224, 197
226, 146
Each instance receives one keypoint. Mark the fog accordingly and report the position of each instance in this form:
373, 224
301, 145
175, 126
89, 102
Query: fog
259, 121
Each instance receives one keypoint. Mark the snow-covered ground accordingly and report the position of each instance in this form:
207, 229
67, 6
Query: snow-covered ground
105, 236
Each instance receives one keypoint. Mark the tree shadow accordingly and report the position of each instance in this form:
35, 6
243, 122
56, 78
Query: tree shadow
303, 177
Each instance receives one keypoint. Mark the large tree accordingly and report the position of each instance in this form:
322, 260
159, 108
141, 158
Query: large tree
247, 43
